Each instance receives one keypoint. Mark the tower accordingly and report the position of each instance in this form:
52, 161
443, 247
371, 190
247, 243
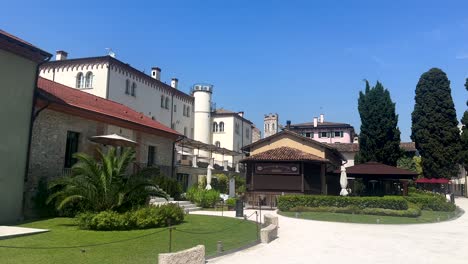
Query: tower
202, 108
270, 124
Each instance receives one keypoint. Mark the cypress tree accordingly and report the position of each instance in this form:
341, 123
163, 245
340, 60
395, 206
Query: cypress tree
434, 127
464, 135
379, 139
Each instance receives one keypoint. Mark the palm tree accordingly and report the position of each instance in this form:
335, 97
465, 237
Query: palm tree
103, 184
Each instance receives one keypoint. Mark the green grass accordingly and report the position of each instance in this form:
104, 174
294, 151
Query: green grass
426, 217
234, 233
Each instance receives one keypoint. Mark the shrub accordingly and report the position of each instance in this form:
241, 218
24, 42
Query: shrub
412, 211
220, 182
146, 217
231, 202
429, 201
203, 198
286, 202
171, 186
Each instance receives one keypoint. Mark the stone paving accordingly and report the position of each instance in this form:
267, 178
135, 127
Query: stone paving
307, 241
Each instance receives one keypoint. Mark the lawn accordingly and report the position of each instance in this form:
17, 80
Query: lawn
206, 230
426, 217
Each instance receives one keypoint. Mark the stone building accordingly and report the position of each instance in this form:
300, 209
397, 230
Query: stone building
271, 124
19, 62
256, 134
66, 119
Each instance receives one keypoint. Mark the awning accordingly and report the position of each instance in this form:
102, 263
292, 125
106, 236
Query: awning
114, 140
433, 180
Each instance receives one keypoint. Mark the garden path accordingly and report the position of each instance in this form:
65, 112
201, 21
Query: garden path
308, 241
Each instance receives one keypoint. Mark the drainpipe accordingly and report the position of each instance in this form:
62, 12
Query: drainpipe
174, 153
31, 123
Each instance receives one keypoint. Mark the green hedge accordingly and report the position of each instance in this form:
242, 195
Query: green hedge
412, 211
432, 203
203, 198
286, 202
147, 217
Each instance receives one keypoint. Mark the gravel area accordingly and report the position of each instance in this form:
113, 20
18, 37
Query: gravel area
308, 241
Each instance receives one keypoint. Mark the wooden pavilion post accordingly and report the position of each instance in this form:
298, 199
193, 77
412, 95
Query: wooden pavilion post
302, 177
323, 179
405, 187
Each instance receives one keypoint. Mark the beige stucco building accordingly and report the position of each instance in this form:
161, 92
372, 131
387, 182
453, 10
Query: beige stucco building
19, 61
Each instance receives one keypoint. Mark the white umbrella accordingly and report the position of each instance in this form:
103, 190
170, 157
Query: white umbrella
208, 175
184, 153
114, 140
343, 181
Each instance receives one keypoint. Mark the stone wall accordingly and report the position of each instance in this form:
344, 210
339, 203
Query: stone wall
270, 230
49, 137
195, 255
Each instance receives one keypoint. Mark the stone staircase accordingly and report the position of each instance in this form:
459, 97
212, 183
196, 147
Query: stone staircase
186, 205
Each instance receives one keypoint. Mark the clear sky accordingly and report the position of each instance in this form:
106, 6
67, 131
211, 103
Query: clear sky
295, 58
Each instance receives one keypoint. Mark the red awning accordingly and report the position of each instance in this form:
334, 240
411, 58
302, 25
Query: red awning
433, 180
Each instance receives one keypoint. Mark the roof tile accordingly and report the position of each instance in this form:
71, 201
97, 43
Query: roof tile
284, 154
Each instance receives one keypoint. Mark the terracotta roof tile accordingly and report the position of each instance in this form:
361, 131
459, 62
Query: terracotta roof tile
375, 168
284, 154
64, 95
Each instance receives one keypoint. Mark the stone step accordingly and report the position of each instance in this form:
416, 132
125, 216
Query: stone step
160, 199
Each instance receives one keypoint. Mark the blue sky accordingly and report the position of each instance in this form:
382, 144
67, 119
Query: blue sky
295, 58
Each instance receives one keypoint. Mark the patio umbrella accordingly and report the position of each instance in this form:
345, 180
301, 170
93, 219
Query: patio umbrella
114, 140
208, 175
343, 181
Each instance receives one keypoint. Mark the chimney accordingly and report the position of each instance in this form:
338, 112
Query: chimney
61, 55
321, 118
174, 83
241, 113
156, 73
315, 121
288, 124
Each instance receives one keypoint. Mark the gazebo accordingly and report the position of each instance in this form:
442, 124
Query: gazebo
434, 184
381, 179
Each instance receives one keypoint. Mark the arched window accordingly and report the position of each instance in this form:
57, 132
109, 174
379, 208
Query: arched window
167, 103
266, 127
215, 127
162, 101
89, 80
133, 89
79, 80
188, 111
221, 126
127, 86
218, 144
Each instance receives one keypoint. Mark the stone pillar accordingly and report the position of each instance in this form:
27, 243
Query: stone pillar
232, 187
237, 168
195, 161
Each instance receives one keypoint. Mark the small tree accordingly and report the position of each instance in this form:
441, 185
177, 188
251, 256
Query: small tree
103, 184
434, 128
379, 139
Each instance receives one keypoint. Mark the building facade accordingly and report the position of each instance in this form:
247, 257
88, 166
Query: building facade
256, 134
325, 132
112, 79
65, 121
270, 124
19, 62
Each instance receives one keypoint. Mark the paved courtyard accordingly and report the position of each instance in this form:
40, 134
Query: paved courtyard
306, 241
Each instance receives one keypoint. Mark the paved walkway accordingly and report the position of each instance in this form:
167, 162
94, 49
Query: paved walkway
306, 241
14, 231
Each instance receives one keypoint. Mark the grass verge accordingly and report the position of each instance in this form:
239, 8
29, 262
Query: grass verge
206, 230
426, 217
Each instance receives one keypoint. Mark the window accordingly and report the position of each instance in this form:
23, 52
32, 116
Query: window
133, 89
236, 128
175, 108
311, 134
221, 126
323, 134
215, 127
273, 127
71, 148
218, 144
89, 80
247, 133
79, 80
265, 127
307, 135
127, 86
167, 103
151, 156
162, 101
188, 111
185, 110
185, 131
338, 133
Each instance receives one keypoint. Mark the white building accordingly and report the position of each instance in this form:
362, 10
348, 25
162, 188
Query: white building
271, 122
231, 131
112, 79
